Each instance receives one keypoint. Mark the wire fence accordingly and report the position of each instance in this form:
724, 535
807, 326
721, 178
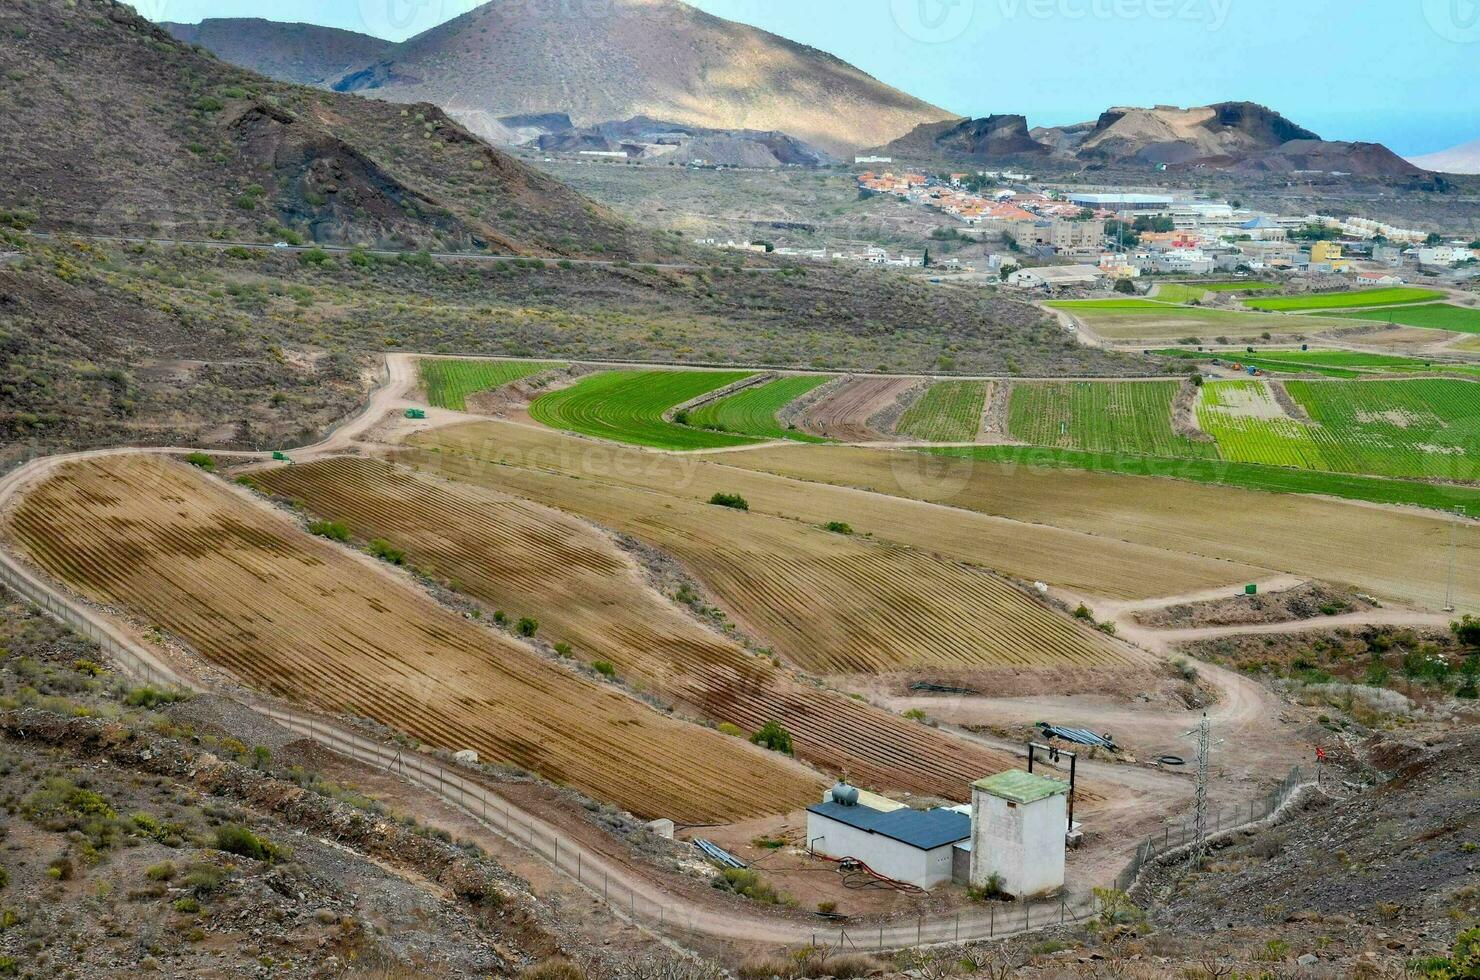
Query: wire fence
627, 893
1221, 820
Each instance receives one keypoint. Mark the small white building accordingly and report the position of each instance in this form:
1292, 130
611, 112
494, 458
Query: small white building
913, 846
1056, 275
1019, 821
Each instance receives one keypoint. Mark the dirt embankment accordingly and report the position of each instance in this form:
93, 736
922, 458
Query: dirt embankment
1287, 401
1184, 413
1306, 601
886, 419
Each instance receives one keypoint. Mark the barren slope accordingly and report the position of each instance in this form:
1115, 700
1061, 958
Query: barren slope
624, 58
304, 53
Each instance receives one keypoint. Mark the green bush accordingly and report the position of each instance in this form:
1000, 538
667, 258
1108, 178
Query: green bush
186, 905
150, 698
731, 500
729, 728
748, 882
387, 552
528, 627
163, 871
563, 650
314, 256
201, 461
333, 530
774, 737
838, 527
238, 840
604, 667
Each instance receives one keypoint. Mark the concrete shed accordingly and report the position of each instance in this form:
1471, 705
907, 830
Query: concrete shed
1019, 822
914, 846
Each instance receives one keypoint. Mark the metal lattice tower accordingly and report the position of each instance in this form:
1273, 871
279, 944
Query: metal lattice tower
1453, 548
1204, 732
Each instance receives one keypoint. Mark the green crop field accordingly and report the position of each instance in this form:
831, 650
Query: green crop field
628, 406
449, 383
1332, 363
1186, 292
1434, 316
1140, 319
1248, 476
752, 412
1115, 416
1414, 428
949, 411
1352, 299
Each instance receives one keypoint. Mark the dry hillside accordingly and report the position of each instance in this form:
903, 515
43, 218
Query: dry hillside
108, 124
659, 58
302, 53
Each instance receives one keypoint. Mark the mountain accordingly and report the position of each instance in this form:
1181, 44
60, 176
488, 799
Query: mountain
1167, 134
652, 139
980, 139
1242, 137
1463, 159
1326, 156
302, 53
127, 130
623, 58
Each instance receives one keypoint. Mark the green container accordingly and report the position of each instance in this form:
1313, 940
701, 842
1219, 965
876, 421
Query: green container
280, 457
1251, 590
416, 413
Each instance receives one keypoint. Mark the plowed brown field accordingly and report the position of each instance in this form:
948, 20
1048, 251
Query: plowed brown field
530, 560
1095, 563
301, 618
1388, 551
830, 603
843, 413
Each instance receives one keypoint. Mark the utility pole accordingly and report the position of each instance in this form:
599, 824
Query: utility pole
1453, 549
1204, 732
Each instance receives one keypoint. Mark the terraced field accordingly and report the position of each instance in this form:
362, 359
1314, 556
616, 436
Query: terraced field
753, 412
1119, 417
949, 411
1186, 292
1415, 428
1347, 300
449, 383
1432, 316
830, 603
1332, 363
1139, 319
301, 618
1093, 563
843, 413
1393, 553
530, 560
628, 406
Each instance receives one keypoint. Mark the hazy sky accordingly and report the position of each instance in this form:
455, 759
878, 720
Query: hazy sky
1402, 72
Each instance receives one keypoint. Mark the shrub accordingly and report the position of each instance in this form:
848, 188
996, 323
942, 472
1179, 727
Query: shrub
4, 877
728, 728
563, 650
990, 890
149, 698
528, 627
1085, 613
163, 871
238, 840
731, 500
827, 908
838, 527
604, 667
749, 883
1467, 631
915, 714
557, 969
314, 256
774, 737
387, 552
201, 461
186, 905
333, 530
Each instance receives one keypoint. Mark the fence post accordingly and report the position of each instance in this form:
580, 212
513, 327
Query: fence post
991, 920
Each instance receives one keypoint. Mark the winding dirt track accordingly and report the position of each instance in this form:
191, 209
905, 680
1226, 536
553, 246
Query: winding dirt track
1241, 704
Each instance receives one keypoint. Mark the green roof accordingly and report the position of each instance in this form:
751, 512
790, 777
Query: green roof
1017, 786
